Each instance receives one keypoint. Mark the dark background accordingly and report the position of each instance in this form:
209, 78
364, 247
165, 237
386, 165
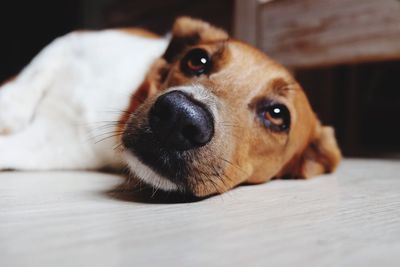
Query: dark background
27, 26
362, 101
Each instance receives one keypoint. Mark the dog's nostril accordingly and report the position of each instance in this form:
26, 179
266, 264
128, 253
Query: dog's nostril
163, 111
180, 123
189, 131
192, 132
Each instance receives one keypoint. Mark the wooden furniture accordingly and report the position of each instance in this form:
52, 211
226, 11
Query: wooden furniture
349, 218
310, 33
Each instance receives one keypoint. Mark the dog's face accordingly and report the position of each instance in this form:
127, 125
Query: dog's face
214, 112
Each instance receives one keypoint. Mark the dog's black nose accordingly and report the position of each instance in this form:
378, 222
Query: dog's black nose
179, 122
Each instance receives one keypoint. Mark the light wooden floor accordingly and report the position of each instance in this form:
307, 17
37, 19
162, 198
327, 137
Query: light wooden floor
350, 218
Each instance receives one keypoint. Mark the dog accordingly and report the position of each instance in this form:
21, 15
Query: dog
197, 112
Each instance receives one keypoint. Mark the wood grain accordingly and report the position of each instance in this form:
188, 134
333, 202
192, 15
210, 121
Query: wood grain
310, 33
350, 218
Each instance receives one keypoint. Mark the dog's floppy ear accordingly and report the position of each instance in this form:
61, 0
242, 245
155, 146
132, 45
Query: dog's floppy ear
322, 155
188, 32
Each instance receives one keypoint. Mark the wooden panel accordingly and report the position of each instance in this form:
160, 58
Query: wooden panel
308, 33
245, 20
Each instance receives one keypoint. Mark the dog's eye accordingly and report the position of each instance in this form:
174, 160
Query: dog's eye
196, 62
275, 116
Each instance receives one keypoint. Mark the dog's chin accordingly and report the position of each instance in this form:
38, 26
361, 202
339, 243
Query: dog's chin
148, 176
151, 176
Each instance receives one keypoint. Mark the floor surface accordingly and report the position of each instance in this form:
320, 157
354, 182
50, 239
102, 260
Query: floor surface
349, 218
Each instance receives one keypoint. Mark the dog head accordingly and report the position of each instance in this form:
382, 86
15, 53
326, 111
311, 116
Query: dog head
214, 112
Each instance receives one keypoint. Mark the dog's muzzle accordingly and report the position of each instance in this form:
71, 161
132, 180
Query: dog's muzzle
166, 143
180, 123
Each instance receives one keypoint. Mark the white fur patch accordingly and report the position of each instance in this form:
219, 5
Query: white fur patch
147, 175
60, 111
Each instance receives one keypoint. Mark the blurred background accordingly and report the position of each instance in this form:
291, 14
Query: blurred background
345, 53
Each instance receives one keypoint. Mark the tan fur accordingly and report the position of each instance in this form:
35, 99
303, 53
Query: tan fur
139, 32
185, 26
242, 149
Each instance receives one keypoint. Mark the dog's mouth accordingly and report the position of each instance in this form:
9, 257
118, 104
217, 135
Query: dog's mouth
154, 164
171, 145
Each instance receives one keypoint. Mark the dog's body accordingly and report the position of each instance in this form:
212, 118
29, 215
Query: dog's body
198, 113
57, 112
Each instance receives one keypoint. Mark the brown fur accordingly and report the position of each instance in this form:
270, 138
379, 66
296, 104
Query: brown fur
242, 149
140, 32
